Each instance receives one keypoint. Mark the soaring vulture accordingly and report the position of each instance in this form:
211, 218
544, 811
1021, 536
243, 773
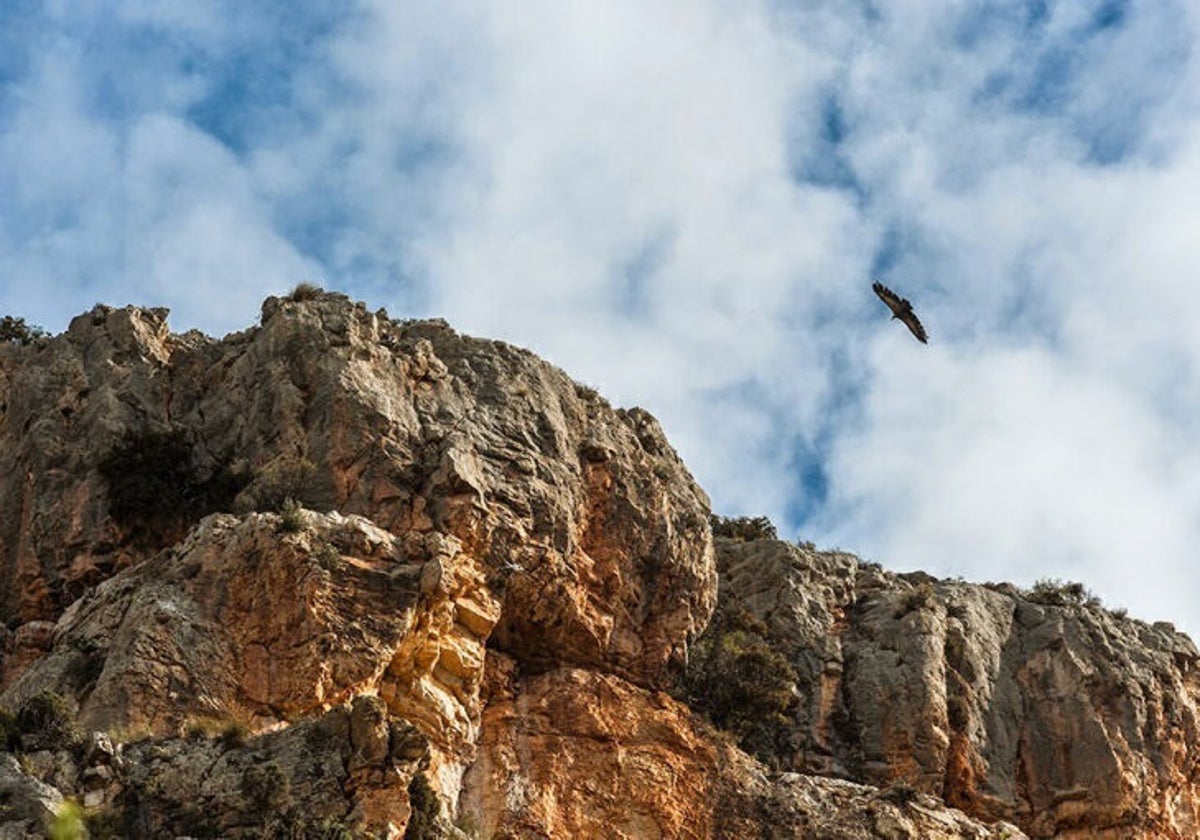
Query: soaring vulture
901, 309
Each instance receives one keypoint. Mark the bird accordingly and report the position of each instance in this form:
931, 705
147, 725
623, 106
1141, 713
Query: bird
901, 309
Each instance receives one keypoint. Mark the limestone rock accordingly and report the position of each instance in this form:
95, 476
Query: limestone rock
572, 753
389, 573
1067, 720
299, 779
583, 520
27, 805
64, 402
244, 621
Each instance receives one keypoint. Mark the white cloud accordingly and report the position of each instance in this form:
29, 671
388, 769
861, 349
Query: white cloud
681, 203
1014, 464
149, 210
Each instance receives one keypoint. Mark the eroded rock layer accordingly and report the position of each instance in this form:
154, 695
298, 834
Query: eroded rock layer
1066, 719
340, 575
580, 515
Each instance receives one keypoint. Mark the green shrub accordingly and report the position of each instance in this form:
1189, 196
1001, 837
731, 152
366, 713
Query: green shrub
234, 733
900, 793
45, 721
743, 528
291, 517
282, 479
68, 822
152, 480
305, 291
325, 829
329, 558
917, 598
10, 733
17, 331
423, 823
1053, 592
105, 823
231, 731
744, 685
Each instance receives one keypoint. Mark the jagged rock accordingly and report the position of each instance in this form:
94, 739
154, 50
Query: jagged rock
314, 778
375, 570
309, 775
242, 621
62, 404
585, 522
1065, 719
572, 753
27, 805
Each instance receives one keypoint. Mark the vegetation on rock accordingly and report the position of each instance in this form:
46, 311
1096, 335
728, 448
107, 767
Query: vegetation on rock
153, 480
279, 481
423, 823
305, 291
291, 517
1052, 592
17, 331
46, 722
10, 734
743, 684
743, 528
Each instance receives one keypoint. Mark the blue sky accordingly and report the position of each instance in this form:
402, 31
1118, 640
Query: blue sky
682, 203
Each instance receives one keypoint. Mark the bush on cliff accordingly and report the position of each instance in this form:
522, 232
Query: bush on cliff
743, 684
1052, 592
423, 822
305, 291
17, 331
152, 480
45, 722
743, 528
10, 735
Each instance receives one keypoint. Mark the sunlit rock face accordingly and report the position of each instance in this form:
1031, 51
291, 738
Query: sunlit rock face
339, 572
582, 518
452, 494
1068, 720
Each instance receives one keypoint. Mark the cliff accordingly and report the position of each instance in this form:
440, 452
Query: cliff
342, 575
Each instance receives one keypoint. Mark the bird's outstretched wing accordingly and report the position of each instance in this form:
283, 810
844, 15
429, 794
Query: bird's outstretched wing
901, 309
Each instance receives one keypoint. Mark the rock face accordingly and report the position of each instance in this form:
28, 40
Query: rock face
338, 573
572, 753
583, 516
1066, 719
244, 621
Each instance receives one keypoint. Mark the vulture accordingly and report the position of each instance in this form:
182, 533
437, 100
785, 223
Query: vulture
901, 309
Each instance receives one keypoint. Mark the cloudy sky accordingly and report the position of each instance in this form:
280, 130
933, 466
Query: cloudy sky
682, 203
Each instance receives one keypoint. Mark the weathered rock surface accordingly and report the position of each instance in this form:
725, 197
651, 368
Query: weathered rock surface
573, 753
348, 768
27, 804
477, 612
1068, 720
243, 621
583, 517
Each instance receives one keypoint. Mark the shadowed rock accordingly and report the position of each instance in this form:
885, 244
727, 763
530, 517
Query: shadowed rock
1065, 719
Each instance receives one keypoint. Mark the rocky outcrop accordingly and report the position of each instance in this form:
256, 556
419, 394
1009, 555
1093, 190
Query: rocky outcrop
572, 753
249, 622
1066, 719
460, 494
581, 516
348, 769
339, 574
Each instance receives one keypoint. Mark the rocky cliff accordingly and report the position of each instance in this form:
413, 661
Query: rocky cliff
341, 575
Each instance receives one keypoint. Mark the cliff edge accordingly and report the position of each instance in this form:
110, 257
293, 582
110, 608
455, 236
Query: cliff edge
344, 575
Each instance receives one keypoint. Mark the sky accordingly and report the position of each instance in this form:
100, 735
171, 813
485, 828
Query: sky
683, 203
